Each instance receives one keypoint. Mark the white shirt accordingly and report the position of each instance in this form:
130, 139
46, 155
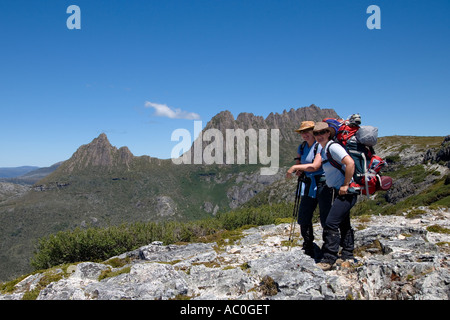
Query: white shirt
334, 177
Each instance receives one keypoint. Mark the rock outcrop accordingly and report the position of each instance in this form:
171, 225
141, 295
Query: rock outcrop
286, 123
12, 190
440, 155
98, 153
396, 258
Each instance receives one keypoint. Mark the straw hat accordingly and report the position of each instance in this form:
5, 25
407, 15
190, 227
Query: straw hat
306, 125
324, 126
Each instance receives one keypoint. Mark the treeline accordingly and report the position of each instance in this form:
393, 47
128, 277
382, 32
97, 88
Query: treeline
99, 244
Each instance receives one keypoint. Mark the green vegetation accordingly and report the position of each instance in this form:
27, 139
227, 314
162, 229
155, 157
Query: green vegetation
400, 143
417, 172
438, 229
99, 244
48, 276
109, 274
438, 194
43, 282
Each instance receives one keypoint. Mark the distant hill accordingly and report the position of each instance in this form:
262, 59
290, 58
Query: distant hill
33, 176
16, 171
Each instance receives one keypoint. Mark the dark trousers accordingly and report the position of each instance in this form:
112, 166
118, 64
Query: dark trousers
324, 197
338, 231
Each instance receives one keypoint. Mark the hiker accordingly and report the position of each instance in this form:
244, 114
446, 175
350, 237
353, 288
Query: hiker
314, 189
337, 228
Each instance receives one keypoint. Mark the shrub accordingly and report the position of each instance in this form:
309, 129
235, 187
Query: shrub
99, 244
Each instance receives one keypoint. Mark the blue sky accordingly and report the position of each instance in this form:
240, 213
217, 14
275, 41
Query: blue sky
139, 69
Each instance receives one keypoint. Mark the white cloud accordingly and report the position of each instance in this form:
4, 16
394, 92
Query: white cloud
162, 110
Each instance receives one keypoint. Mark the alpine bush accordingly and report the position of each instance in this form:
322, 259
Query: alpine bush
99, 244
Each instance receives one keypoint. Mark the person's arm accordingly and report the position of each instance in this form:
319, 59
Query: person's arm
309, 167
349, 171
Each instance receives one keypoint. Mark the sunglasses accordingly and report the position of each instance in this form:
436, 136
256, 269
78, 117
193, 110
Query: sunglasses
319, 133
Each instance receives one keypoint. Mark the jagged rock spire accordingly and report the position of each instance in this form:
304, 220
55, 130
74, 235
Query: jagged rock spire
100, 154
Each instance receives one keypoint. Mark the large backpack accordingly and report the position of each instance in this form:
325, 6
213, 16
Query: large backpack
345, 129
359, 141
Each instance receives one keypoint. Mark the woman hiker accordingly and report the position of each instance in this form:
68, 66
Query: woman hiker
337, 229
314, 189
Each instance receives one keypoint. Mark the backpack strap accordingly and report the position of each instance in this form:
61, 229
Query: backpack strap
302, 147
330, 159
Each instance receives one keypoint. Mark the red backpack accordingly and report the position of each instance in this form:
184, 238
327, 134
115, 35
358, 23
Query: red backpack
358, 141
371, 180
345, 133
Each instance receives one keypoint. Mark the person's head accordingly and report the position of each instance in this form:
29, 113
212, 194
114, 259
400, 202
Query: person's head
322, 132
306, 130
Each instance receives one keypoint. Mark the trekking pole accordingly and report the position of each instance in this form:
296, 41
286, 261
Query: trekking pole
295, 212
296, 208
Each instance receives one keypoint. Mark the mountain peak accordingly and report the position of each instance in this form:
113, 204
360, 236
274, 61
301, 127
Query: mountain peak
223, 120
98, 153
102, 137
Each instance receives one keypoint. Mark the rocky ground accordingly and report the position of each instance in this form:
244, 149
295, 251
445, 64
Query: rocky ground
12, 190
397, 257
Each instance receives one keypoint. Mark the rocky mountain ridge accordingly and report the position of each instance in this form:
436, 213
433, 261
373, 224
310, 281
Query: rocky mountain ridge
98, 153
286, 122
397, 257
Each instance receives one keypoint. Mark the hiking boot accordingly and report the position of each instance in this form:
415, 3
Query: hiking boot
345, 262
325, 266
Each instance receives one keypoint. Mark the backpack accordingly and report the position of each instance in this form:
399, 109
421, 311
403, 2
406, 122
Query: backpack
345, 129
359, 141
